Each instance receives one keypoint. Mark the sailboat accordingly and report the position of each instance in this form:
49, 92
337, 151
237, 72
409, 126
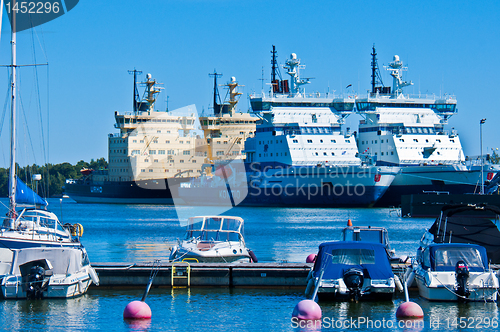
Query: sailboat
39, 257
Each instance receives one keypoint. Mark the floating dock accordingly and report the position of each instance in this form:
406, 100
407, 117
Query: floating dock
284, 275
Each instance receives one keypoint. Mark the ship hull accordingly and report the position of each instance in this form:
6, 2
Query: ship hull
304, 187
445, 179
124, 192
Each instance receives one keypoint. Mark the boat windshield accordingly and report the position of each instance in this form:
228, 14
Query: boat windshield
353, 256
445, 259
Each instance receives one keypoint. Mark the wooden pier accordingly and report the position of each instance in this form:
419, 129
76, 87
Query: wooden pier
285, 275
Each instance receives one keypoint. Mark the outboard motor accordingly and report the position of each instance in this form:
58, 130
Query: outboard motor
353, 279
37, 284
462, 276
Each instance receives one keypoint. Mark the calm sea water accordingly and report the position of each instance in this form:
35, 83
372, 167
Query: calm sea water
138, 233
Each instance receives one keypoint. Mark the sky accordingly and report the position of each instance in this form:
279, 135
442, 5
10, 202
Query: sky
450, 47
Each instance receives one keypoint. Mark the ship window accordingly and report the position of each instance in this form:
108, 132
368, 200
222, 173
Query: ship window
143, 170
134, 152
438, 152
146, 160
419, 130
334, 141
375, 153
401, 140
452, 141
218, 142
181, 142
141, 141
186, 152
134, 141
295, 141
168, 142
324, 153
333, 153
152, 151
309, 141
271, 154
181, 161
161, 151
150, 170
375, 141
156, 160
285, 153
382, 153
260, 155
426, 141
158, 131
438, 140
321, 141
188, 142
225, 142
415, 140
194, 160
316, 153
392, 153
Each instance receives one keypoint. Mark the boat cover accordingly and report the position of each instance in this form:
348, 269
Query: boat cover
339, 256
478, 230
445, 256
63, 260
24, 195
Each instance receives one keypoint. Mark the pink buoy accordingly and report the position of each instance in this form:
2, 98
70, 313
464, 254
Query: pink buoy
137, 310
311, 258
307, 309
409, 310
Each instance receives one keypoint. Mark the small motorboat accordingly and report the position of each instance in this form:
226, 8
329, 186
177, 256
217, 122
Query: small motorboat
351, 270
455, 272
50, 272
213, 239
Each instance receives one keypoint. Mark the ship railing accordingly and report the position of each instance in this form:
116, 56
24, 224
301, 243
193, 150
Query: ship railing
425, 96
421, 162
312, 95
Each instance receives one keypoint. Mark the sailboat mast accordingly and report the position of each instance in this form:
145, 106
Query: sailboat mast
12, 173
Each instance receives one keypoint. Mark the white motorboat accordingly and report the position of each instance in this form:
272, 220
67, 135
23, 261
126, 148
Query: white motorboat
455, 272
351, 270
213, 239
45, 273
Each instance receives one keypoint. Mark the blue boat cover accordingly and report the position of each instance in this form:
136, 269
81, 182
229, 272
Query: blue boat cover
24, 195
339, 256
444, 257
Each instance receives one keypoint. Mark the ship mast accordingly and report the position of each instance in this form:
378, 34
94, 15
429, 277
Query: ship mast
136, 92
12, 173
217, 106
376, 77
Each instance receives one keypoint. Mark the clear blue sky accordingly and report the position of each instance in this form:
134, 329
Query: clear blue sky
449, 46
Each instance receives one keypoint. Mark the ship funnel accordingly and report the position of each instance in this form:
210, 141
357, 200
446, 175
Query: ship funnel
293, 56
233, 79
396, 58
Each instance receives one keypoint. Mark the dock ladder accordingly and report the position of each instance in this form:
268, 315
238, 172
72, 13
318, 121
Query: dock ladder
181, 272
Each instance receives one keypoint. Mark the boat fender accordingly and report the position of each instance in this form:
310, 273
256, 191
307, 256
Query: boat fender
310, 285
93, 276
409, 279
309, 275
77, 230
398, 283
172, 254
253, 257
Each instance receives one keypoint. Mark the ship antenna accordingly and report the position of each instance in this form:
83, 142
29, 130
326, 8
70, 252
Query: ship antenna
376, 77
217, 106
136, 92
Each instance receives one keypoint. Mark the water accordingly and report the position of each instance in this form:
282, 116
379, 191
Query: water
135, 233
